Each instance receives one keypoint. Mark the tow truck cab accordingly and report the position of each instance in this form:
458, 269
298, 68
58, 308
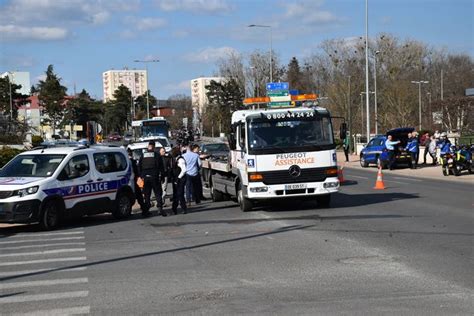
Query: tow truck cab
278, 153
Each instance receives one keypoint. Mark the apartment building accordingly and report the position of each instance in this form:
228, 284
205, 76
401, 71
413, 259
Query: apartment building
135, 80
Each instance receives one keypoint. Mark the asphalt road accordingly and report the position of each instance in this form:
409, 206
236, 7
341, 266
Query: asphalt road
404, 250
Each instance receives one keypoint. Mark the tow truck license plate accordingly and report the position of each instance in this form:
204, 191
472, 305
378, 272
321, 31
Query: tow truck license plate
297, 186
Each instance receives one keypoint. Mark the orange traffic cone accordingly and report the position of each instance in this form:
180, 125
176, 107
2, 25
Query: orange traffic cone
379, 185
340, 175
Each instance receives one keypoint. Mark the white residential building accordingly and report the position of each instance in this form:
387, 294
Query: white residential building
19, 77
198, 91
135, 80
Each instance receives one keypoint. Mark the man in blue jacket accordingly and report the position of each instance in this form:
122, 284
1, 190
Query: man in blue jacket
413, 147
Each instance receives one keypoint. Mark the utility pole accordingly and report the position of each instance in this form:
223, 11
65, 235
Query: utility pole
375, 94
271, 46
419, 83
147, 87
367, 67
442, 96
349, 114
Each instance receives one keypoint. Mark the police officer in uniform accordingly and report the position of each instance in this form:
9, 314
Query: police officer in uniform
151, 171
138, 190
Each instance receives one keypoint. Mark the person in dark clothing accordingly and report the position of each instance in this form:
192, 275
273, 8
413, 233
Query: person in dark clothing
151, 171
179, 180
166, 159
138, 190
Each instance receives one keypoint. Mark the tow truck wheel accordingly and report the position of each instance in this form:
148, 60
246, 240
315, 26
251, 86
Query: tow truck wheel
50, 216
123, 206
246, 205
216, 195
324, 200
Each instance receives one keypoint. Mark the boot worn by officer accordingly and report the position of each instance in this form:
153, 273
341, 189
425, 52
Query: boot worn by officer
162, 212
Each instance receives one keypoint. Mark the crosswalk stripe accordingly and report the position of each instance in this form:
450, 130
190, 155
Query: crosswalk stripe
16, 285
45, 245
23, 272
40, 240
46, 234
81, 310
39, 253
14, 263
42, 297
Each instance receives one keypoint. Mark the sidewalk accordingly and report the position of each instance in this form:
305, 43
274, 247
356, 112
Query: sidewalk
423, 171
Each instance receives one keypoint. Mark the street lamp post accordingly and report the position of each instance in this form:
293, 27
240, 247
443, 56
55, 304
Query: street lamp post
367, 67
431, 113
147, 87
362, 112
375, 94
271, 46
419, 83
10, 78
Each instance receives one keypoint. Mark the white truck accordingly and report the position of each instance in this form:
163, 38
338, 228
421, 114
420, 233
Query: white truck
275, 154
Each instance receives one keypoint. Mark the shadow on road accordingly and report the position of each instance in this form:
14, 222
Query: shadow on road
279, 230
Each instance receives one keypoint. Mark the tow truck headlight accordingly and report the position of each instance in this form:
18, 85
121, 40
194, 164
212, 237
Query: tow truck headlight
328, 185
259, 189
27, 191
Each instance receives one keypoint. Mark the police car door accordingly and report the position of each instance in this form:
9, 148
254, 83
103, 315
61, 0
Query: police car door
72, 178
113, 171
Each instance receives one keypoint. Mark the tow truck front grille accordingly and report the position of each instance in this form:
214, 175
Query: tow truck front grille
284, 177
5, 194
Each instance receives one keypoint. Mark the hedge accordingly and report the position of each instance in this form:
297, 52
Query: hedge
6, 154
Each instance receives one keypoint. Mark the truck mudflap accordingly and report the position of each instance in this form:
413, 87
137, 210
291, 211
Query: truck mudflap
261, 191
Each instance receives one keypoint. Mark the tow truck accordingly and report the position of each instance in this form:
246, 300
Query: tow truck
276, 153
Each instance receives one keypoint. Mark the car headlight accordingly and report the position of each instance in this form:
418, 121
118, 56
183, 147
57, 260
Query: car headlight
27, 191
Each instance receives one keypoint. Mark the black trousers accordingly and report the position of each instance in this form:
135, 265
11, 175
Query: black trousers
195, 184
425, 153
346, 153
413, 159
178, 194
391, 159
152, 183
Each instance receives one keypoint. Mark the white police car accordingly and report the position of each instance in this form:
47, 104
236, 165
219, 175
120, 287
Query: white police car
47, 185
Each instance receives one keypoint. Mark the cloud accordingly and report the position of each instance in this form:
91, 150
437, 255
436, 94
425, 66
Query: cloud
39, 78
309, 13
180, 33
195, 6
386, 20
144, 23
183, 85
12, 32
210, 54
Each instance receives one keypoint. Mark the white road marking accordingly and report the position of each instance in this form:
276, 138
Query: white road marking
15, 273
398, 182
358, 177
80, 310
16, 285
40, 240
46, 234
45, 245
409, 179
14, 263
42, 297
39, 253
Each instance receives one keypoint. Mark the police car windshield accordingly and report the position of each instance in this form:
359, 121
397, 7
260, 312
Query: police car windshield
32, 166
287, 134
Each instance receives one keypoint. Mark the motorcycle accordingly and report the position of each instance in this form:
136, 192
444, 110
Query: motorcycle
457, 160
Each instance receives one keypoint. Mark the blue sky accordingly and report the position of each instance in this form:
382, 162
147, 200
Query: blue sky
83, 38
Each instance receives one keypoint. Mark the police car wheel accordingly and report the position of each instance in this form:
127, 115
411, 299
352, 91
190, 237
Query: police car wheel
124, 206
50, 216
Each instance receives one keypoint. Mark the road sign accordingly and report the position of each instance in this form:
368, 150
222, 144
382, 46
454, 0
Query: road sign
278, 86
294, 92
276, 93
280, 104
285, 98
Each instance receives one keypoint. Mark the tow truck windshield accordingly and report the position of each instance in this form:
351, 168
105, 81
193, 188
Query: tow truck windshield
32, 166
267, 135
